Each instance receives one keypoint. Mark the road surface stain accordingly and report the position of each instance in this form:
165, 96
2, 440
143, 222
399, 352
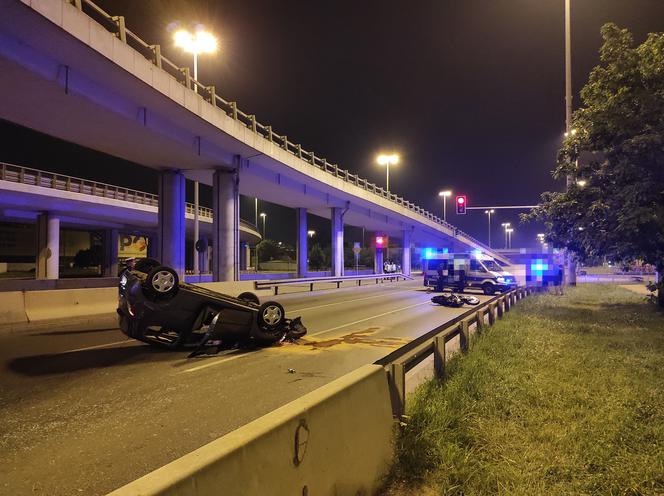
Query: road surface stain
361, 338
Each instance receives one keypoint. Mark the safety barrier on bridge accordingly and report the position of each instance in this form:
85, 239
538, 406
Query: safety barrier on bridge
117, 26
406, 358
329, 280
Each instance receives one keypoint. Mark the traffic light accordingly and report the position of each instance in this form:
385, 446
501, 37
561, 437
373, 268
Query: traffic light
461, 204
381, 241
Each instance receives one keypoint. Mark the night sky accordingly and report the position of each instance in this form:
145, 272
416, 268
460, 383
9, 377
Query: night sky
470, 93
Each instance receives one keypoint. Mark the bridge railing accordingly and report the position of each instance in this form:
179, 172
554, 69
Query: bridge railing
61, 182
116, 25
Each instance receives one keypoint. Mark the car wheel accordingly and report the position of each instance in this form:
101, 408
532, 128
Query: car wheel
271, 316
488, 288
249, 297
162, 282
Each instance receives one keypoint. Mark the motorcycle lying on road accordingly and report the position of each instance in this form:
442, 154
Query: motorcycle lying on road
454, 300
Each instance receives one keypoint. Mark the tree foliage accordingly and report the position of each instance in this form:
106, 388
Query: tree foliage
618, 150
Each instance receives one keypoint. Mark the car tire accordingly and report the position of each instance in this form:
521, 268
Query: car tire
488, 288
162, 282
249, 297
271, 316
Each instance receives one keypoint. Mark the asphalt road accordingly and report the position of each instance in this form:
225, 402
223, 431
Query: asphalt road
84, 412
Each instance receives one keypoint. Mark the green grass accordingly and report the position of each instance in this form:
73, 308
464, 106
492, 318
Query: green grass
564, 396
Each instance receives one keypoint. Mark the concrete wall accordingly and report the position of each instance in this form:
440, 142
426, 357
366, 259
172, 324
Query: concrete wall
302, 448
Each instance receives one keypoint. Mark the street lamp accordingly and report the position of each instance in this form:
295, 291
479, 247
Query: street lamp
505, 225
489, 212
199, 42
445, 194
311, 234
263, 216
581, 183
509, 232
387, 160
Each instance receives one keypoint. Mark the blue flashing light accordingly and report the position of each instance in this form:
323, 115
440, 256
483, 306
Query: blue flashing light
539, 266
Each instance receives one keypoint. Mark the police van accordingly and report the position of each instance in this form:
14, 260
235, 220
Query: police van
465, 270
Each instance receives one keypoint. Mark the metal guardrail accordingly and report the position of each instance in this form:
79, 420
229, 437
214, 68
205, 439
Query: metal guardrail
116, 25
61, 182
329, 279
401, 361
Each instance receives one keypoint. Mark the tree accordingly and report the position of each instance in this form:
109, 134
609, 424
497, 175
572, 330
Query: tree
619, 135
316, 257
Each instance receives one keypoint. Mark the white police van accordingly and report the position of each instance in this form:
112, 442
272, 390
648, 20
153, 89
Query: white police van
474, 269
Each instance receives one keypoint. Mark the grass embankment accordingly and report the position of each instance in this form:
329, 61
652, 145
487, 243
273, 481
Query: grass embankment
563, 396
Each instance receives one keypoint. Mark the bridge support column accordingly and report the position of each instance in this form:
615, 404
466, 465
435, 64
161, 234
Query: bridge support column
244, 255
378, 261
48, 247
226, 224
171, 220
301, 248
337, 252
111, 253
405, 253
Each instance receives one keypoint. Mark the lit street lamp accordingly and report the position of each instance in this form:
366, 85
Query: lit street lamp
199, 42
263, 216
581, 183
445, 194
505, 225
509, 232
387, 160
489, 212
311, 234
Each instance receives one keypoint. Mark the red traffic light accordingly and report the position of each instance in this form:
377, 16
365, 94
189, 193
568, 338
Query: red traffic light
461, 202
381, 241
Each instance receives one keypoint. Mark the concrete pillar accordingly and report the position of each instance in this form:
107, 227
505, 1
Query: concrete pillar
378, 261
244, 255
301, 242
226, 226
48, 247
111, 253
337, 252
405, 253
172, 220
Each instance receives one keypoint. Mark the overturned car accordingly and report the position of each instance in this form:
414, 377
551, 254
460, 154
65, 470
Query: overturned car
156, 308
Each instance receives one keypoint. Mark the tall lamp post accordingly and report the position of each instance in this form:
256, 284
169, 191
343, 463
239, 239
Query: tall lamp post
571, 265
263, 216
505, 226
200, 42
489, 212
509, 232
445, 195
387, 160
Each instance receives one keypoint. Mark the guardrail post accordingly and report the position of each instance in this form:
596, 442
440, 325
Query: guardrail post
211, 94
499, 307
120, 23
156, 55
253, 122
464, 336
285, 143
77, 4
480, 321
299, 150
439, 357
233, 110
508, 302
397, 383
492, 316
269, 133
187, 76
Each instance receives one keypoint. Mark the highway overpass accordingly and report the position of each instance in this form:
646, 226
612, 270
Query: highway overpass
73, 71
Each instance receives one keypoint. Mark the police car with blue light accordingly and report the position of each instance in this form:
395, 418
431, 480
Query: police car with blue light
464, 270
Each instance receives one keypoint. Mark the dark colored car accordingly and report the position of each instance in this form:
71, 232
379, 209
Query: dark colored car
155, 307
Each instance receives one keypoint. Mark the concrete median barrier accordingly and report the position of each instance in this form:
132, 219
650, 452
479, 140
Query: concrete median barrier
12, 307
68, 303
336, 440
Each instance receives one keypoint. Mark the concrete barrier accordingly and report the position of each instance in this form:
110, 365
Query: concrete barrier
67, 303
12, 307
336, 440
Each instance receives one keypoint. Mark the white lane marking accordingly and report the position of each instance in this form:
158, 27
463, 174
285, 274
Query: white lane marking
217, 362
100, 346
351, 301
369, 318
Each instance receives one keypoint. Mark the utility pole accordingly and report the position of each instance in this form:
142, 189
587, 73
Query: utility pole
571, 265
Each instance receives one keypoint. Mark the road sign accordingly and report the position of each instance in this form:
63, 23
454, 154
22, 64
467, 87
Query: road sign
356, 248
